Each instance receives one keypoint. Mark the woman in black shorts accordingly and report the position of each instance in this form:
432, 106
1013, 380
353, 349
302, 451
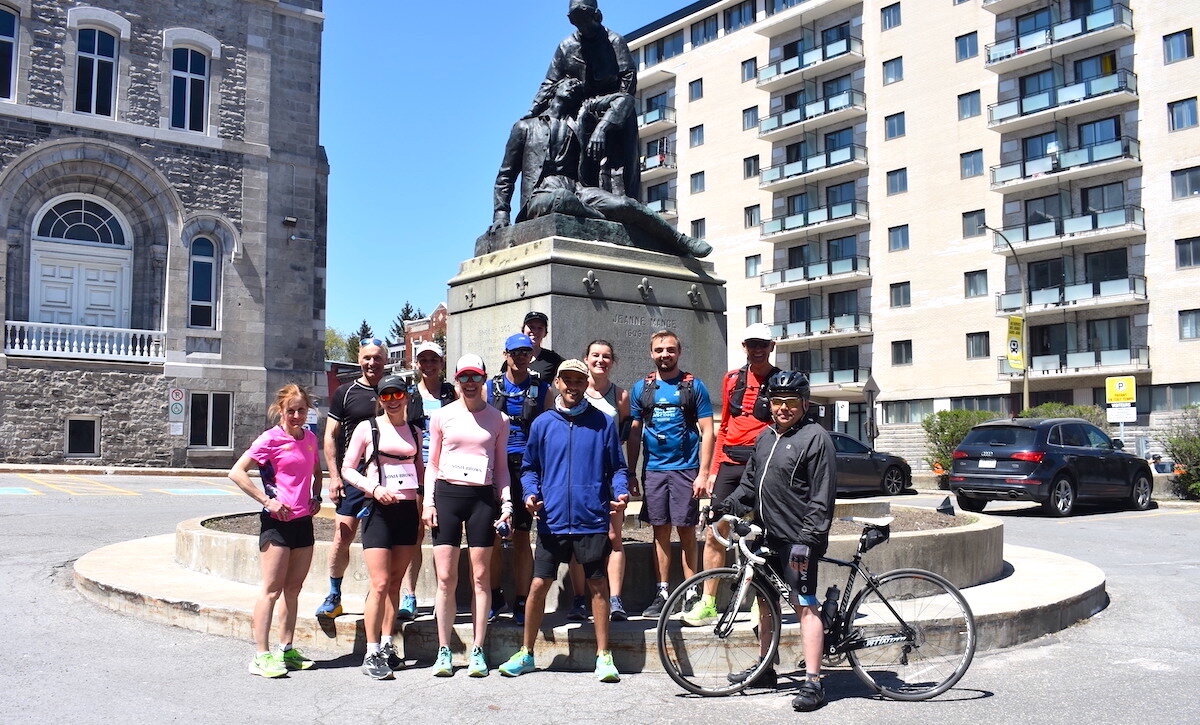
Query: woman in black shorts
389, 534
286, 456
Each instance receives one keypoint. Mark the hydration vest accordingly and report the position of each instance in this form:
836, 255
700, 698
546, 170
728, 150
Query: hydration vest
762, 404
530, 406
687, 398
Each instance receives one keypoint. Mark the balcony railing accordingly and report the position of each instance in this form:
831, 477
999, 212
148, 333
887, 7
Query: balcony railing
79, 342
1053, 298
1121, 148
666, 115
660, 161
664, 207
1085, 362
1013, 46
816, 162
838, 376
1122, 80
831, 324
815, 216
815, 272
1111, 219
809, 58
809, 111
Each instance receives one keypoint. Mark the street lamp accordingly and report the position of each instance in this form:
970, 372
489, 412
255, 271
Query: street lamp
1024, 325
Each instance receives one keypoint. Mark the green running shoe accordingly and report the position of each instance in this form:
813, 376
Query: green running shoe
702, 612
606, 671
477, 665
444, 666
294, 659
518, 664
267, 665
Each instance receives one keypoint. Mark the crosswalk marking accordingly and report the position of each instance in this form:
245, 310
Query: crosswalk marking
194, 491
103, 487
79, 486
19, 491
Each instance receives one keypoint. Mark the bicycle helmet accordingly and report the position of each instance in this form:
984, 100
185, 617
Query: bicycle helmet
788, 382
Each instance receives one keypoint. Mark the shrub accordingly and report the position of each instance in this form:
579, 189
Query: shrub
1183, 446
1091, 413
945, 429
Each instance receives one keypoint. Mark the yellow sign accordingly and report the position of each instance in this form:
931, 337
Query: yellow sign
1120, 389
1016, 353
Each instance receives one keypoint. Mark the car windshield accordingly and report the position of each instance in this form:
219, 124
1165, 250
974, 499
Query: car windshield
998, 435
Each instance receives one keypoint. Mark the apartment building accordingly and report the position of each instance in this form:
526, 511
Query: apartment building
886, 183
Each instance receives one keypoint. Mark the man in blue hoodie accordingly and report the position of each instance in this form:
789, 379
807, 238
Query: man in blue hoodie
572, 476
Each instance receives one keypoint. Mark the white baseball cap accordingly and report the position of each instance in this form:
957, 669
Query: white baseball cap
470, 363
429, 346
757, 331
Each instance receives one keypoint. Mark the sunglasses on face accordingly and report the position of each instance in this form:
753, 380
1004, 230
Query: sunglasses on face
397, 395
757, 344
789, 402
470, 378
522, 352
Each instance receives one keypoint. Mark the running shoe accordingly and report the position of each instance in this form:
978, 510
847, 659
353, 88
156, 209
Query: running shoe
444, 666
294, 659
391, 656
617, 611
376, 667
811, 696
702, 612
477, 665
408, 608
518, 664
331, 607
579, 610
767, 678
606, 671
267, 665
498, 604
656, 606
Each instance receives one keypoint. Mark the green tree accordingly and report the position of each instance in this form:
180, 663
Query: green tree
945, 429
407, 312
1183, 446
364, 332
1091, 413
335, 344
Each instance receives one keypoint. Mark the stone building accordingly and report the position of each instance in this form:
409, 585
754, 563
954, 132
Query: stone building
431, 328
163, 197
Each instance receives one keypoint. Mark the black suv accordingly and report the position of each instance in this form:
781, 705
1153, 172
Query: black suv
1053, 461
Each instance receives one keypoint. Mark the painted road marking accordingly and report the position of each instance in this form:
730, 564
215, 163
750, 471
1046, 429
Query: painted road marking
194, 491
79, 486
18, 491
1141, 515
104, 487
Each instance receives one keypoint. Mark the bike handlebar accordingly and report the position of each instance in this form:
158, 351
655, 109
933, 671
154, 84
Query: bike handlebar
753, 531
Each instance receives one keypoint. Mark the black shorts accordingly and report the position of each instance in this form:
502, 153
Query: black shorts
590, 550
801, 577
729, 475
392, 525
294, 534
353, 500
522, 520
473, 507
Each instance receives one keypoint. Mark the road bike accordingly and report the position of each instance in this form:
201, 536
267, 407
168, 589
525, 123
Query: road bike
908, 633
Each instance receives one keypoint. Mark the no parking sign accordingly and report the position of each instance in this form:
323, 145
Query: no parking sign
175, 406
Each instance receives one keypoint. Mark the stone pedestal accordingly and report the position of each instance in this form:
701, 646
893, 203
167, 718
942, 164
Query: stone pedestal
589, 290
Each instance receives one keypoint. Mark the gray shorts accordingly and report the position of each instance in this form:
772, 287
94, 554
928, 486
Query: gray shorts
668, 498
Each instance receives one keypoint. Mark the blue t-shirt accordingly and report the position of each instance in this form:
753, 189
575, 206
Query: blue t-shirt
669, 443
514, 398
430, 405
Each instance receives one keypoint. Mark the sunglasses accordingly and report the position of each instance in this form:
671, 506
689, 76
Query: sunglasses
371, 341
470, 378
789, 402
520, 352
757, 344
398, 395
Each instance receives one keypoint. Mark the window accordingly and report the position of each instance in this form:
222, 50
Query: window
753, 314
749, 118
897, 181
657, 192
696, 135
704, 31
1096, 66
83, 437
970, 164
893, 70
1189, 324
739, 16
657, 102
889, 17
1178, 46
1182, 114
749, 69
978, 345
696, 89
95, 72
663, 48
966, 46
753, 265
211, 420
752, 216
1103, 197
82, 220
775, 6
898, 238
972, 223
189, 84
975, 283
907, 411
1185, 182
893, 125
202, 284
750, 167
902, 352
8, 53
1187, 252
697, 182
901, 294
698, 229
968, 105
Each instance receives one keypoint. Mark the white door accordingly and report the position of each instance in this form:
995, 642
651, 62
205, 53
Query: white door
75, 285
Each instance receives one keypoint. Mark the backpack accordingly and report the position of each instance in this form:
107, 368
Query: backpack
687, 398
412, 428
416, 405
762, 404
530, 406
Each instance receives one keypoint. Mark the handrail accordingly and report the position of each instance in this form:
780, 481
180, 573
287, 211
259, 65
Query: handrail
83, 342
815, 162
1013, 45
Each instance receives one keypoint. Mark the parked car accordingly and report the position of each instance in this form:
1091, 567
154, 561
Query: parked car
1056, 462
860, 468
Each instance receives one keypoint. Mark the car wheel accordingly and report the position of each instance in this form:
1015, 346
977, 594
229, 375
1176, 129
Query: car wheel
974, 505
1062, 497
893, 481
1139, 496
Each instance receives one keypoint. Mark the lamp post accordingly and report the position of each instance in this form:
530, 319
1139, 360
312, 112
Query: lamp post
1024, 325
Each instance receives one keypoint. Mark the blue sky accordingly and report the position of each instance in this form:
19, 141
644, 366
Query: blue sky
417, 101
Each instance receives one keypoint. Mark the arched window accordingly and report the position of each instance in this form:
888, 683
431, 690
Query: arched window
202, 283
82, 220
95, 72
189, 89
8, 53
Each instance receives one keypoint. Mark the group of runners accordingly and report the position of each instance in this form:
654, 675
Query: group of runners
546, 441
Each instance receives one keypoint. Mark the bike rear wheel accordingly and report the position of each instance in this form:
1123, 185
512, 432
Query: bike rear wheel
700, 659
939, 639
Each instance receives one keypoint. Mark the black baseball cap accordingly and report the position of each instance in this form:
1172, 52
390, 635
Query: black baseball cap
536, 316
392, 382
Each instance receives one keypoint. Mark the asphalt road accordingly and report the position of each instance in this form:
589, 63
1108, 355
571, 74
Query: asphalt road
66, 659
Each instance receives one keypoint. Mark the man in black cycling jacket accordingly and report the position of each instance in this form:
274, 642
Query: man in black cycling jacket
790, 484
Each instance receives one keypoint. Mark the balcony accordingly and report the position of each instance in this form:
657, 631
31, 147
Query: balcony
802, 13
1083, 97
838, 379
855, 324
79, 342
665, 208
1090, 295
830, 271
1069, 36
1105, 157
821, 112
656, 167
815, 221
823, 59
1081, 229
813, 168
1105, 362
650, 75
656, 119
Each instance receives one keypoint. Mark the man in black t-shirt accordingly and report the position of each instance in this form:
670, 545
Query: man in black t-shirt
545, 361
352, 403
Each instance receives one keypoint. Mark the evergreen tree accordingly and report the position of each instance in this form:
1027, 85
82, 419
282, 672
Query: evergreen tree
364, 332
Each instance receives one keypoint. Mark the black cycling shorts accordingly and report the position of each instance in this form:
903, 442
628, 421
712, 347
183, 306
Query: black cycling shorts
294, 534
394, 524
471, 507
729, 475
590, 550
801, 574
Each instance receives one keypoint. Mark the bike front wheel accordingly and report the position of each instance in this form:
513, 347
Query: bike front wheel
723, 650
913, 635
